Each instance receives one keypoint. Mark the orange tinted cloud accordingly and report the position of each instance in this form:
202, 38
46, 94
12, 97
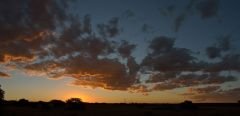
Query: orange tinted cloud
4, 75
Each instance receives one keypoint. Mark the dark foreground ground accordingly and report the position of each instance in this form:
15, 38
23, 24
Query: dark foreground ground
87, 109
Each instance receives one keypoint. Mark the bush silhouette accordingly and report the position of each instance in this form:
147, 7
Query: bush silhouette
188, 105
1, 94
57, 103
75, 104
23, 102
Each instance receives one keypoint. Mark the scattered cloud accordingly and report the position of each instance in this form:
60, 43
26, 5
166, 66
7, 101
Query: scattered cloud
214, 94
179, 21
204, 90
222, 45
166, 57
125, 49
110, 29
4, 75
42, 38
205, 8
208, 8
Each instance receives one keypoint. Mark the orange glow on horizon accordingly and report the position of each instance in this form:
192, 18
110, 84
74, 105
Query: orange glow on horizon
73, 94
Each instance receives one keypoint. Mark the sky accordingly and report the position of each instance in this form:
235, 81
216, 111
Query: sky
114, 51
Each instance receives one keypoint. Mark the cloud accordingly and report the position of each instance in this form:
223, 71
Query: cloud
166, 57
139, 89
230, 62
213, 52
104, 73
26, 25
110, 29
214, 94
125, 49
161, 77
179, 21
205, 8
146, 28
91, 71
188, 80
4, 75
161, 44
208, 8
172, 67
128, 14
165, 86
222, 45
43, 39
168, 11
204, 90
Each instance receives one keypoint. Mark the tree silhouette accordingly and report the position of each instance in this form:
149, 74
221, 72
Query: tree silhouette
57, 103
75, 104
1, 94
74, 100
188, 105
23, 102
1, 99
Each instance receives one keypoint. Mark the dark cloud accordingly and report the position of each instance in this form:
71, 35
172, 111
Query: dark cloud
214, 94
104, 73
222, 45
87, 24
204, 90
133, 66
125, 49
169, 63
179, 21
161, 77
213, 52
165, 86
4, 75
128, 13
82, 54
139, 89
208, 8
161, 44
205, 8
188, 80
26, 25
50, 69
215, 78
91, 71
110, 29
230, 62
166, 57
168, 11
225, 42
146, 28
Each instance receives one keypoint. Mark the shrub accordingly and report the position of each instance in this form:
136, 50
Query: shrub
1, 94
188, 105
75, 104
57, 103
23, 102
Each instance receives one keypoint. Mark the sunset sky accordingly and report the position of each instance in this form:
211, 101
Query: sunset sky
151, 51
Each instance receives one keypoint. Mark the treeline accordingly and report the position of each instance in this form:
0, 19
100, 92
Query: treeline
71, 104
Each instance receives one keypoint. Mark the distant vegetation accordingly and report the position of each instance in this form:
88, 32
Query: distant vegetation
75, 107
1, 94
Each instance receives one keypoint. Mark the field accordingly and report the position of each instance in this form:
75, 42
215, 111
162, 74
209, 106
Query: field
102, 109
